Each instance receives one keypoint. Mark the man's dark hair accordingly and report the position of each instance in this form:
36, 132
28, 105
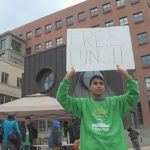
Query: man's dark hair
11, 116
27, 117
96, 76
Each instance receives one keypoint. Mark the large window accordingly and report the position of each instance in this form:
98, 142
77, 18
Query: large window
4, 78
45, 80
142, 38
145, 60
28, 51
81, 16
138, 17
58, 24
19, 83
3, 44
38, 32
6, 98
48, 28
147, 84
107, 7
120, 3
48, 44
123, 21
38, 48
69, 20
109, 24
134, 1
29, 35
16, 46
59, 41
94, 11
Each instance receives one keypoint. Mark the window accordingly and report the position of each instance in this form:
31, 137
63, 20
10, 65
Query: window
142, 38
45, 80
16, 46
58, 24
28, 51
94, 11
134, 1
138, 17
69, 20
3, 44
28, 35
38, 48
48, 28
19, 82
59, 41
107, 7
81, 16
120, 3
147, 84
145, 60
95, 26
4, 78
43, 125
109, 24
38, 32
21, 35
123, 21
148, 3
48, 44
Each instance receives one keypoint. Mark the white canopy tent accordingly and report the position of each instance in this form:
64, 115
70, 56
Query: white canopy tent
36, 106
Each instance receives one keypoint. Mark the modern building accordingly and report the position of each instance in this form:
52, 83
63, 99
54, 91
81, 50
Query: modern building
11, 67
50, 32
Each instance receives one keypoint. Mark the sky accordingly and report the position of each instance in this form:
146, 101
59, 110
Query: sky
15, 13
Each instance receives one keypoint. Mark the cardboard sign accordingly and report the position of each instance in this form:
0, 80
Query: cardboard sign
94, 49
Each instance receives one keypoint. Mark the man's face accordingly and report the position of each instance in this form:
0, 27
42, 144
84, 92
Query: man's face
97, 88
28, 121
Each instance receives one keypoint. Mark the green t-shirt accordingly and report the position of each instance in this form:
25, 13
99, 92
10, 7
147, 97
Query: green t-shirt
27, 142
101, 121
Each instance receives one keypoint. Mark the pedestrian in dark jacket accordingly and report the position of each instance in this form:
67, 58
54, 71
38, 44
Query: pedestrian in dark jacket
27, 133
133, 134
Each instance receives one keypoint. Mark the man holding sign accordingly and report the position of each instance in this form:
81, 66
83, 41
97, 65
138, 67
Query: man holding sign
101, 117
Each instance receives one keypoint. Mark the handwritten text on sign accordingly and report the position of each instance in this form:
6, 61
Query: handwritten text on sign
99, 48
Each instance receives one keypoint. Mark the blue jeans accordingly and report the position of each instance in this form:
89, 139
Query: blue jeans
6, 145
25, 147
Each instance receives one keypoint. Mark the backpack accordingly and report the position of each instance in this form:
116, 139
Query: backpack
14, 137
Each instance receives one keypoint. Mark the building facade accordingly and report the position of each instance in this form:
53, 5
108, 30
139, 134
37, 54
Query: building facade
10, 81
51, 31
12, 50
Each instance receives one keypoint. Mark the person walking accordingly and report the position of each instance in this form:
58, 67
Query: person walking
8, 126
101, 117
133, 134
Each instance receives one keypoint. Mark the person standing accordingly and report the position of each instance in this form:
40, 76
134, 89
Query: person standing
27, 134
8, 125
101, 117
133, 134
55, 137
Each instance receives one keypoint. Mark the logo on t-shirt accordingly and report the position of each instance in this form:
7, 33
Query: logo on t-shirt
100, 126
101, 116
